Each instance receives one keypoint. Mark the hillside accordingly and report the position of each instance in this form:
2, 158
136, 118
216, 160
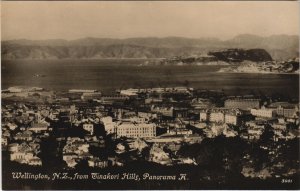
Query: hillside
239, 55
280, 47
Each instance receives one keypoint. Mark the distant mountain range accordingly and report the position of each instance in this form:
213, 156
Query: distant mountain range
280, 47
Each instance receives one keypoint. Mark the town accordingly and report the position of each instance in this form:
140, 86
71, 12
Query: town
168, 126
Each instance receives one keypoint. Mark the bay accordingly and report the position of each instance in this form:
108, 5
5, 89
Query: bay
107, 75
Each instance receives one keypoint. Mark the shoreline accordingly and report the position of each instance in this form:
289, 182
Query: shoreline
230, 72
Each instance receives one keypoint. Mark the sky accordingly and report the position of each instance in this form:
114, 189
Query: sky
102, 19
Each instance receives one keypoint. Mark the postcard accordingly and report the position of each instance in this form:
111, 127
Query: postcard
150, 95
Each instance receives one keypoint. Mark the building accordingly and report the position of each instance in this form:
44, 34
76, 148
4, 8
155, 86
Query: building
180, 113
135, 119
221, 115
81, 91
212, 115
15, 89
21, 155
89, 127
240, 103
24, 136
25, 153
199, 103
217, 116
91, 95
254, 130
135, 130
4, 141
113, 98
153, 100
204, 117
165, 111
129, 92
287, 111
38, 127
180, 131
233, 118
96, 162
279, 126
147, 115
263, 112
109, 125
158, 155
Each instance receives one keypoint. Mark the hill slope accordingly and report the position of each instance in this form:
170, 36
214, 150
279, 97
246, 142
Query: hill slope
280, 47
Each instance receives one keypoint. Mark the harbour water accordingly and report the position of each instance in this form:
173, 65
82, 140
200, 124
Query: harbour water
107, 75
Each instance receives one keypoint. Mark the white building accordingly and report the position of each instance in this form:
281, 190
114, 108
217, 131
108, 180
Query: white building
38, 127
109, 125
81, 91
220, 115
217, 116
279, 126
204, 116
134, 130
129, 92
233, 117
21, 156
263, 112
96, 162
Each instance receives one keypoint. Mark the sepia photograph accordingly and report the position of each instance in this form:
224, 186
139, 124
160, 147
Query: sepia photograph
150, 95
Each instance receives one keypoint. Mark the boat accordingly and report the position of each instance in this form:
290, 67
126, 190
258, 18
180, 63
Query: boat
39, 75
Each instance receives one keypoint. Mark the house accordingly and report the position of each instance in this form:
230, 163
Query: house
13, 147
35, 161
89, 127
4, 141
71, 163
24, 136
12, 126
38, 127
21, 155
254, 130
180, 131
96, 162
158, 155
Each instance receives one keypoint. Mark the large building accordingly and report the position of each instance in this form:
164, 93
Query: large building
240, 103
136, 130
91, 95
81, 91
221, 115
288, 111
263, 112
